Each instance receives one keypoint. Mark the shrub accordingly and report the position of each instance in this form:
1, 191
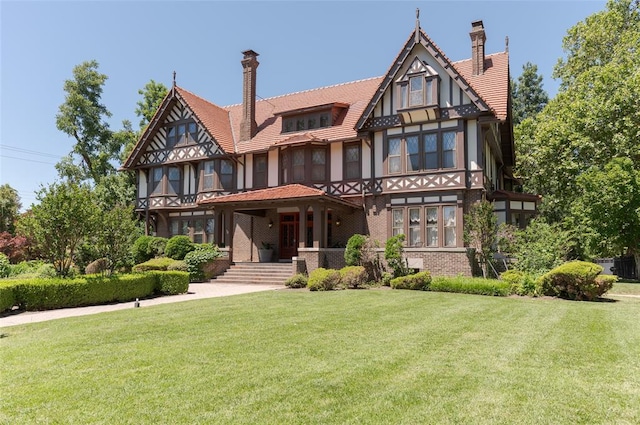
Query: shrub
521, 283
178, 246
575, 280
353, 251
353, 277
5, 268
141, 249
386, 279
470, 285
419, 281
196, 259
7, 297
171, 283
100, 265
297, 281
394, 254
48, 271
25, 267
323, 279
157, 246
178, 265
162, 263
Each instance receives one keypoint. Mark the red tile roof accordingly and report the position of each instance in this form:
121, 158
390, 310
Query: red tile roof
280, 193
214, 118
493, 84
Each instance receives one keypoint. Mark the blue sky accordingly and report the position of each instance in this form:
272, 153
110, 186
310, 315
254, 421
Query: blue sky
302, 45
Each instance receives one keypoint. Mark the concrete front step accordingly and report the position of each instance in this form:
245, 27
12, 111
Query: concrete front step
258, 273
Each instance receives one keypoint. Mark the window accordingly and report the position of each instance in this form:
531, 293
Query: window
303, 165
424, 225
181, 133
432, 226
318, 164
260, 170
449, 214
226, 174
418, 90
428, 151
156, 181
397, 225
352, 164
207, 182
174, 227
414, 227
174, 180
209, 229
200, 230
217, 174
306, 122
416, 93
394, 159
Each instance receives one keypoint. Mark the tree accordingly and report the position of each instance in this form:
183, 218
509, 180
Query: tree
480, 232
596, 114
9, 208
82, 116
152, 96
65, 216
115, 233
529, 98
610, 206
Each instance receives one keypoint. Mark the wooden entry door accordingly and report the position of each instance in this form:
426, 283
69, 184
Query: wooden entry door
289, 235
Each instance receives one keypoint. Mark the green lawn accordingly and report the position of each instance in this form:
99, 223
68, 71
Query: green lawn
626, 288
343, 357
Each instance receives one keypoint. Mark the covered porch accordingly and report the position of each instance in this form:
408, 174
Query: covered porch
290, 220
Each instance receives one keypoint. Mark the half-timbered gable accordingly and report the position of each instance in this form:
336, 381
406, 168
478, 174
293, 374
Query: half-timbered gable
405, 153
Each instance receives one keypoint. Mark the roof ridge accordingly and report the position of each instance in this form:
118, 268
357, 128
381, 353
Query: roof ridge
486, 56
307, 91
200, 97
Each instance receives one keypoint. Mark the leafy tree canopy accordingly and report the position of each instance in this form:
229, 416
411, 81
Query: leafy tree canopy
529, 98
9, 208
152, 95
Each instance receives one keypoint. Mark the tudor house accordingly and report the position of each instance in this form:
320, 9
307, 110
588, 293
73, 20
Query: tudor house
407, 152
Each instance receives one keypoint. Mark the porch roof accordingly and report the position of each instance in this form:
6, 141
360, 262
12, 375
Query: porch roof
277, 196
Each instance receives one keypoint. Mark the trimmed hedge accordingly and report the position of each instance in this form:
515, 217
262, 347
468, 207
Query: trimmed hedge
469, 285
171, 282
521, 283
49, 294
160, 263
419, 281
322, 279
576, 280
7, 297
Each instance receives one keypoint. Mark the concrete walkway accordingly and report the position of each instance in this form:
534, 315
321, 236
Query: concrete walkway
196, 291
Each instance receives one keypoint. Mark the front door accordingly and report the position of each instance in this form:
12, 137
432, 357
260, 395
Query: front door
289, 230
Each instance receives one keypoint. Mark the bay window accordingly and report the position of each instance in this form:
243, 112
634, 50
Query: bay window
424, 225
423, 151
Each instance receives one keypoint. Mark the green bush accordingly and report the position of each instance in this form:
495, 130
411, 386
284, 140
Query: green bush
162, 263
25, 267
196, 259
178, 265
157, 246
7, 297
394, 254
521, 283
576, 280
141, 249
48, 271
386, 279
5, 267
178, 246
171, 283
471, 285
353, 251
353, 277
419, 281
47, 294
296, 281
323, 280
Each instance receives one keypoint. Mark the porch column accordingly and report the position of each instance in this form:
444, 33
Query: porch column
228, 230
302, 226
319, 240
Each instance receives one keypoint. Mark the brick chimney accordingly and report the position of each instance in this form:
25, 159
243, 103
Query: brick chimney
248, 124
478, 37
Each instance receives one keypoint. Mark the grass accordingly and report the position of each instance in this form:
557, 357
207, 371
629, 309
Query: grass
627, 287
343, 357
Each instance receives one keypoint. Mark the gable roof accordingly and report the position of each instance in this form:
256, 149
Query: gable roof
213, 119
461, 76
493, 84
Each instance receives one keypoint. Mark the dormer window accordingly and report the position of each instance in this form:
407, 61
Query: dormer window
309, 118
418, 87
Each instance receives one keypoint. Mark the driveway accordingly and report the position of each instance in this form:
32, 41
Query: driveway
196, 291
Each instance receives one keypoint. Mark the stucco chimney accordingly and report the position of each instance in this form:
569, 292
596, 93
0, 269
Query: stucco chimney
248, 124
478, 37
